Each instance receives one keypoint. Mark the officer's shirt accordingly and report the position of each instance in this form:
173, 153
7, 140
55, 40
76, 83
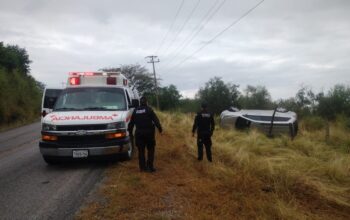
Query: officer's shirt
204, 123
145, 120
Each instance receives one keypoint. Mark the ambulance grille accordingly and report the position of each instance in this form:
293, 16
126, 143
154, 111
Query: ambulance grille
81, 127
81, 140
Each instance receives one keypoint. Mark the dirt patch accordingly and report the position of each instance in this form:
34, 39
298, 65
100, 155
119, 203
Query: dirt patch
180, 189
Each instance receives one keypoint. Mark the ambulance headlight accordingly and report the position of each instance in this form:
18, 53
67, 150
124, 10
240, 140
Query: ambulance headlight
48, 127
117, 125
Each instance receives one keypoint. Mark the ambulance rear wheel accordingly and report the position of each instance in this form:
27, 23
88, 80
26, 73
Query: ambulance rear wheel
51, 160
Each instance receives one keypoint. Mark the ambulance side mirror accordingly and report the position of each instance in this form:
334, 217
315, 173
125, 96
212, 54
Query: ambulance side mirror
134, 103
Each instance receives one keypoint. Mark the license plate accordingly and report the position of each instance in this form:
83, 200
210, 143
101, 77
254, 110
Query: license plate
80, 153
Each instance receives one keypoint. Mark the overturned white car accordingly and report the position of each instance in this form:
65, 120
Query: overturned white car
271, 122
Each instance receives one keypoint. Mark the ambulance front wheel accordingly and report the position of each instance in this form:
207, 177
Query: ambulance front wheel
128, 155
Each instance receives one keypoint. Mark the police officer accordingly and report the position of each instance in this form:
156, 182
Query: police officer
205, 125
145, 121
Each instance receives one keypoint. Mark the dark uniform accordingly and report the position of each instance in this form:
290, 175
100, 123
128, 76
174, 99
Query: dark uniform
205, 125
145, 121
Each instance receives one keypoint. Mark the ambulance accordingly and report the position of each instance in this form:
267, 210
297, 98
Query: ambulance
90, 118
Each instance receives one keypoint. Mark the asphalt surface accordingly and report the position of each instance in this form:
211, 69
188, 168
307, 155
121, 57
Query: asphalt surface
31, 189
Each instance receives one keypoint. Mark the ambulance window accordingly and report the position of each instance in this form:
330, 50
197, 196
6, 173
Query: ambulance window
51, 96
91, 99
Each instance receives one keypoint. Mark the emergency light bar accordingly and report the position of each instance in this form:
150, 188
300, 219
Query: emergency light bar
102, 78
74, 80
85, 73
94, 73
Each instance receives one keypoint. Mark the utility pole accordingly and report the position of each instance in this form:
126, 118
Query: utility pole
153, 59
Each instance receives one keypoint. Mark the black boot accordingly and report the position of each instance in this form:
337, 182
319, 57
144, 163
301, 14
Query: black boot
151, 169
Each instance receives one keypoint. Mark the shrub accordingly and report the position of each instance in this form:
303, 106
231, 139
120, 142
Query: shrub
313, 123
343, 121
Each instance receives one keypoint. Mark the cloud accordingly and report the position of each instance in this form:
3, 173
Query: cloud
282, 44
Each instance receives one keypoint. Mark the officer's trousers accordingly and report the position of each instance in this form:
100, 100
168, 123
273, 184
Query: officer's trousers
143, 142
206, 141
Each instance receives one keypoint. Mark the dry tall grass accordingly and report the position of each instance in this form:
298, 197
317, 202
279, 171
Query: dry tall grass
252, 177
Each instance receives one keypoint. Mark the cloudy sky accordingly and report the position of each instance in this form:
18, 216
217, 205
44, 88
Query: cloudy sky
281, 44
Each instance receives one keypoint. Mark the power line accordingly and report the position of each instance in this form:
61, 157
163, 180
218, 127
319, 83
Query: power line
183, 25
171, 26
209, 15
217, 35
194, 30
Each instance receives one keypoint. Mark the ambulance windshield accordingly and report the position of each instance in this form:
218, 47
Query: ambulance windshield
91, 99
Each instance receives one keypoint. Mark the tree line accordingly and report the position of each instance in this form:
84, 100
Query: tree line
221, 95
20, 93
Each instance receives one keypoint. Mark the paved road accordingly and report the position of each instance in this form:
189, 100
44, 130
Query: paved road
30, 189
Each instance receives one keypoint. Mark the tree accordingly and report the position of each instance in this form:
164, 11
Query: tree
218, 95
13, 57
306, 101
189, 105
337, 101
234, 93
139, 77
289, 104
256, 98
340, 96
41, 86
326, 110
169, 97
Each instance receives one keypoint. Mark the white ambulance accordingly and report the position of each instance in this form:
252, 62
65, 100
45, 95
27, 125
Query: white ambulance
90, 118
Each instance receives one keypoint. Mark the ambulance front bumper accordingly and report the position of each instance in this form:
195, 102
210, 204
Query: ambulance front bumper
97, 149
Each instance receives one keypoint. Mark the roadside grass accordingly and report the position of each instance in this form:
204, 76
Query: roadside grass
252, 177
9, 126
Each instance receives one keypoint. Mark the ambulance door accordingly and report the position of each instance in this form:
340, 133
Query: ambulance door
49, 99
133, 101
